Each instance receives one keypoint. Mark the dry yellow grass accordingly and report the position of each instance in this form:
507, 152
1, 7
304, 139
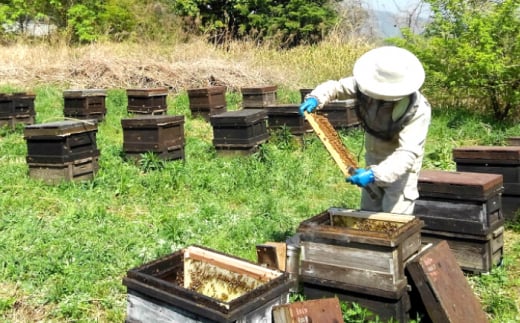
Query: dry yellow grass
177, 66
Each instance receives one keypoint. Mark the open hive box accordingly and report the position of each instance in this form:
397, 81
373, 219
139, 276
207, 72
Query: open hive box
203, 285
358, 251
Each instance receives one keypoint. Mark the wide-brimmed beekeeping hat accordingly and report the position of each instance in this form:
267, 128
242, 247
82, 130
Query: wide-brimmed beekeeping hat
388, 73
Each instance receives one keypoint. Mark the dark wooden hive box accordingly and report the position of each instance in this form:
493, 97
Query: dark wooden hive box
17, 104
460, 202
207, 98
147, 100
493, 155
84, 103
61, 141
287, 115
159, 133
241, 128
341, 114
258, 97
23, 103
359, 251
196, 284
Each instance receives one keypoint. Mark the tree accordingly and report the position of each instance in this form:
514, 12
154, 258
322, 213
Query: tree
471, 50
286, 23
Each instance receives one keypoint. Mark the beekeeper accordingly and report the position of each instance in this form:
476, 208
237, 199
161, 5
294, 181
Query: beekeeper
395, 117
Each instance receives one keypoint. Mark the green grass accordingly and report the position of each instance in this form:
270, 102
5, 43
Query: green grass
65, 248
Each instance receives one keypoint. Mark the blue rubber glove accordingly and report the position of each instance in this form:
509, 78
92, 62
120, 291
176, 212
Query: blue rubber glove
362, 177
308, 105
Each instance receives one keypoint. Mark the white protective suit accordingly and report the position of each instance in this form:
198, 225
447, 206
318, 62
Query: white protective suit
395, 162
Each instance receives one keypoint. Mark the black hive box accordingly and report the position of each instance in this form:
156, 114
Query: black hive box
62, 150
287, 115
159, 134
258, 97
208, 101
504, 160
147, 100
84, 104
239, 130
17, 108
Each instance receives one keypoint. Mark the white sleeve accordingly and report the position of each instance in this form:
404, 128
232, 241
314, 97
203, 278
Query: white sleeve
334, 90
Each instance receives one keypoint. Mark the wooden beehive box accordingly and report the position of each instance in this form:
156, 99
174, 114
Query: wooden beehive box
460, 202
258, 97
287, 115
153, 133
23, 103
442, 289
84, 103
207, 101
239, 129
317, 310
359, 251
147, 100
341, 114
197, 284
61, 141
474, 253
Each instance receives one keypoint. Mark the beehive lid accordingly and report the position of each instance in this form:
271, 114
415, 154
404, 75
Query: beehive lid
259, 89
145, 92
346, 225
459, 185
442, 286
488, 154
165, 279
23, 95
151, 121
238, 118
60, 128
80, 93
206, 90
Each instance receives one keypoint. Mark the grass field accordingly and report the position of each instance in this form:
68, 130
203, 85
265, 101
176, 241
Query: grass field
65, 248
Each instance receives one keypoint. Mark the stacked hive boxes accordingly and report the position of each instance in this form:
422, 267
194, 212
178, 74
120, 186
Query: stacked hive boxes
162, 135
464, 209
62, 151
504, 160
197, 284
239, 131
147, 100
85, 104
17, 108
359, 256
208, 101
